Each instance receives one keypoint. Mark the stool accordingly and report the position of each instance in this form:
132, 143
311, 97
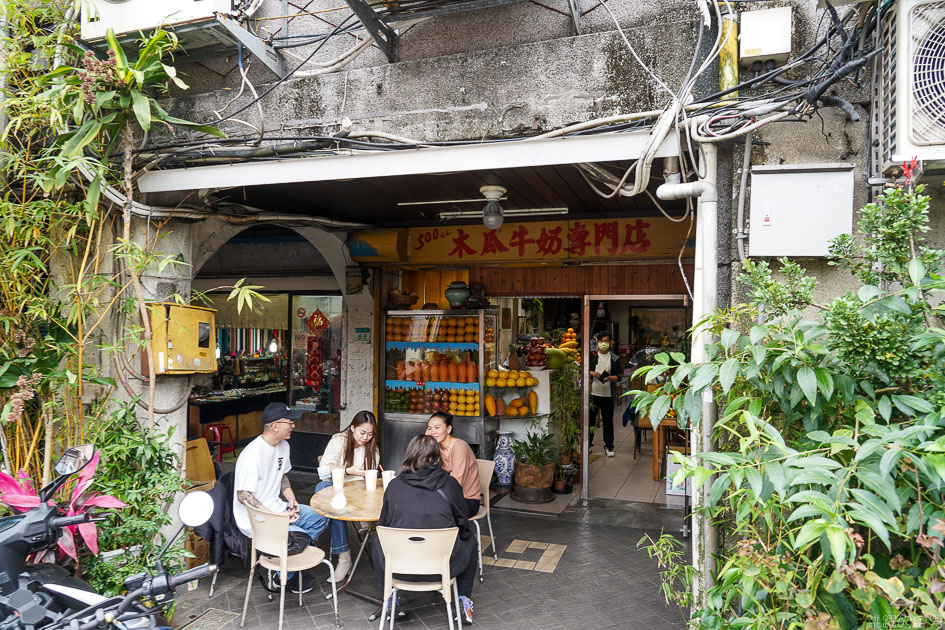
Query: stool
216, 435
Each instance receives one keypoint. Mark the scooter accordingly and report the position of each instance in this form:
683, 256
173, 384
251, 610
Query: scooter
45, 596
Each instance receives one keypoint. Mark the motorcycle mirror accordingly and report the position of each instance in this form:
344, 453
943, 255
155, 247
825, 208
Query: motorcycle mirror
75, 459
195, 508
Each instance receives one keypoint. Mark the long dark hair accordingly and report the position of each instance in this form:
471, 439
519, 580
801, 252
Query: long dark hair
422, 452
372, 445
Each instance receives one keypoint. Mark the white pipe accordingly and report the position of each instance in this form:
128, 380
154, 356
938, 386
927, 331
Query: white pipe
705, 300
740, 235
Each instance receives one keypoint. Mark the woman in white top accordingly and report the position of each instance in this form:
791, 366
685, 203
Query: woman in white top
355, 449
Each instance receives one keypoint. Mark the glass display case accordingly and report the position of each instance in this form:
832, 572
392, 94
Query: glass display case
433, 361
315, 357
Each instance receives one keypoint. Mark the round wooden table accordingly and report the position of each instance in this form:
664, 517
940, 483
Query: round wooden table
362, 506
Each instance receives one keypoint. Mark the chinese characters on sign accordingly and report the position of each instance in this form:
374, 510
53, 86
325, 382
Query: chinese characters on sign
595, 239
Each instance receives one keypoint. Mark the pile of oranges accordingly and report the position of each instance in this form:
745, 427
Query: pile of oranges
435, 328
463, 403
511, 378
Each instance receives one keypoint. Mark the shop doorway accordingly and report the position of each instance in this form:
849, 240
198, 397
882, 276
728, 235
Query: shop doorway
627, 462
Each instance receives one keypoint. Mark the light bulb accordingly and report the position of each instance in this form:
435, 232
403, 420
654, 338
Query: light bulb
492, 215
273, 346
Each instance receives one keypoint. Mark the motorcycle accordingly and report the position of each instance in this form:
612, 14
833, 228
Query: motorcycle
44, 596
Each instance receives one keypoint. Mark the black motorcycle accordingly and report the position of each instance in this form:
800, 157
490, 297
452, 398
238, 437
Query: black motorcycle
45, 596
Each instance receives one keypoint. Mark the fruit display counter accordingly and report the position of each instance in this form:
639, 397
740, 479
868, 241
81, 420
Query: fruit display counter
435, 361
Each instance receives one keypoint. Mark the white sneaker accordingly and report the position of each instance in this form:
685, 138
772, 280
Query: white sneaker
609, 452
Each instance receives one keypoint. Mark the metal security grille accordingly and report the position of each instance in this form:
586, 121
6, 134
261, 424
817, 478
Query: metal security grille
927, 25
887, 85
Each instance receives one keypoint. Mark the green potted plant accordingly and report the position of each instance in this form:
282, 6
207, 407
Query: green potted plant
534, 468
565, 416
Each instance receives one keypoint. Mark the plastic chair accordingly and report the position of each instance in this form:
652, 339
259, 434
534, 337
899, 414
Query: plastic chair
486, 468
417, 552
216, 434
269, 550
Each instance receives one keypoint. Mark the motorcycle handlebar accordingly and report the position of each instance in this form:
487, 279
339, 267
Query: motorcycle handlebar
197, 573
66, 521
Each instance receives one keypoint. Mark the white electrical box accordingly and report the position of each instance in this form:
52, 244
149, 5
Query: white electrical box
125, 16
796, 209
764, 35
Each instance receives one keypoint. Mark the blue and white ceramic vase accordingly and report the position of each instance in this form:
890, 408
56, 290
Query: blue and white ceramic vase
504, 459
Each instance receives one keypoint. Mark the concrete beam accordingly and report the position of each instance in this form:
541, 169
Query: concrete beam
566, 150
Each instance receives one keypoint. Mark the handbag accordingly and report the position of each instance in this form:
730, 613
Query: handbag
298, 541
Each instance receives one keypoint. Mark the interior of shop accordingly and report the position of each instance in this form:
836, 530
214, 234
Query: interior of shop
286, 347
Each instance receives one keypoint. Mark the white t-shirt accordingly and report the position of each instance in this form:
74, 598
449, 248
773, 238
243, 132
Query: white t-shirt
335, 454
260, 469
603, 365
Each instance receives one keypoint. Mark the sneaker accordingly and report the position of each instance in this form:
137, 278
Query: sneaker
609, 452
307, 583
467, 605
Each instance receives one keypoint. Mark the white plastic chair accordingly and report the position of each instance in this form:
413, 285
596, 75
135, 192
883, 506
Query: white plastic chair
486, 468
418, 552
269, 550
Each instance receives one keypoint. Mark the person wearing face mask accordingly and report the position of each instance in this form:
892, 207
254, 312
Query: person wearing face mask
355, 449
604, 366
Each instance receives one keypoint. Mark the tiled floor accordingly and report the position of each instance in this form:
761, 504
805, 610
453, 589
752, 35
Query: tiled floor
580, 570
622, 477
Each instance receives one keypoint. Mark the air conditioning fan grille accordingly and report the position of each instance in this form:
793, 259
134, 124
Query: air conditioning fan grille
928, 63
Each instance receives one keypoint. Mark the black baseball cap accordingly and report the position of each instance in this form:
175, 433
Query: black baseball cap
278, 411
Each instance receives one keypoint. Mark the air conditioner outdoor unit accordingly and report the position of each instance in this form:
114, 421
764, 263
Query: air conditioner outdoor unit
911, 85
131, 16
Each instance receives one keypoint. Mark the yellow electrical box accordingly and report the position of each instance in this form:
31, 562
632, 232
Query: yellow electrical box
183, 339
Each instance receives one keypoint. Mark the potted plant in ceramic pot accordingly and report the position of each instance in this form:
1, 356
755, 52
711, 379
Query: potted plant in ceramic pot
535, 468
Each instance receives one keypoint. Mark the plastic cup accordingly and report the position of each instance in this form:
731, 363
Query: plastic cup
370, 479
338, 479
386, 477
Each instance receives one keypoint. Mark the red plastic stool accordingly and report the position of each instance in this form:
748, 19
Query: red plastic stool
216, 435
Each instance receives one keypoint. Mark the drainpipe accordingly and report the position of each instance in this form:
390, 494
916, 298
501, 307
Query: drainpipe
705, 300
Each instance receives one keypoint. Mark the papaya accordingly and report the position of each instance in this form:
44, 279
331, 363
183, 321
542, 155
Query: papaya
435, 373
411, 374
425, 371
556, 358
453, 372
401, 370
533, 402
490, 405
472, 373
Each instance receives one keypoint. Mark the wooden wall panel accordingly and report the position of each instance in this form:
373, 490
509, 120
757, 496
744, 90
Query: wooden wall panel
655, 279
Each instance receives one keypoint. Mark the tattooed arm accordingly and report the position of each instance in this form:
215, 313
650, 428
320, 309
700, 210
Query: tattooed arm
248, 498
290, 497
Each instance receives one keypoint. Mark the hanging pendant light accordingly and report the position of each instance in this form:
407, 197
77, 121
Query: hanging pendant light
492, 214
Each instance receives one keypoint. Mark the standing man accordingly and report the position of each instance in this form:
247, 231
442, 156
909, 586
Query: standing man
262, 475
604, 369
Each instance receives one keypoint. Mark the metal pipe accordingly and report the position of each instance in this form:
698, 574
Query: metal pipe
705, 300
740, 234
728, 55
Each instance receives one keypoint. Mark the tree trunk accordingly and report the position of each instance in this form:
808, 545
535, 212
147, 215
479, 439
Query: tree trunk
128, 138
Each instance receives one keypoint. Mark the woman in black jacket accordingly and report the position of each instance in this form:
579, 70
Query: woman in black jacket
424, 496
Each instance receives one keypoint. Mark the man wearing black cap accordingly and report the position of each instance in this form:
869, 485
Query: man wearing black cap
262, 476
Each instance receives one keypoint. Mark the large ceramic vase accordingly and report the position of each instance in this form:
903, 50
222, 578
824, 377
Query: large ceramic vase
457, 294
504, 459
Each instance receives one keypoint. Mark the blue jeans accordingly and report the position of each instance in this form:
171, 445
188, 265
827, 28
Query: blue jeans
338, 529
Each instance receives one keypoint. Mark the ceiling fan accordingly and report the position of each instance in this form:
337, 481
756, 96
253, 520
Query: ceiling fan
492, 214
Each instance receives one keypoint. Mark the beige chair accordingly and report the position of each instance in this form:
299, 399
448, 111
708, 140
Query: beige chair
418, 552
486, 468
269, 550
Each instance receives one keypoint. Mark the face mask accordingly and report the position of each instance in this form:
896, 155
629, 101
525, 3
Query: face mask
603, 346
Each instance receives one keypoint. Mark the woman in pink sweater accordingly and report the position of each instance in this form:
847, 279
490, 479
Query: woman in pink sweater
458, 459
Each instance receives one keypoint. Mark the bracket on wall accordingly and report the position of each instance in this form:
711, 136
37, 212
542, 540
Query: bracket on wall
260, 49
385, 37
575, 17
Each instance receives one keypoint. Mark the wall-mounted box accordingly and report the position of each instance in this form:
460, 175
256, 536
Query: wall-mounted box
183, 339
796, 209
764, 34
